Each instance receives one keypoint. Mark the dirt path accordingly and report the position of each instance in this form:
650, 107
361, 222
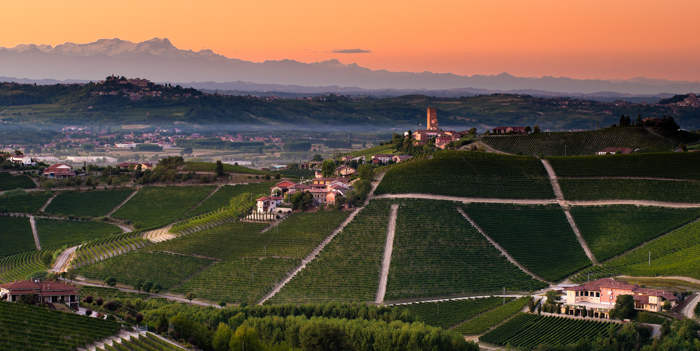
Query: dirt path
500, 248
43, 208
125, 229
468, 199
205, 199
63, 259
490, 149
581, 241
32, 222
122, 203
553, 179
388, 248
689, 310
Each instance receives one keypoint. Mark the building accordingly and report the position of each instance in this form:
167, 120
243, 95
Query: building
509, 130
125, 145
614, 151
345, 171
281, 188
268, 204
47, 292
601, 295
383, 158
59, 171
24, 160
401, 158
132, 165
432, 123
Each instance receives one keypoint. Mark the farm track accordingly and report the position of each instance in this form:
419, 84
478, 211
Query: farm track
63, 260
491, 149
32, 222
388, 248
583, 243
122, 203
43, 208
553, 179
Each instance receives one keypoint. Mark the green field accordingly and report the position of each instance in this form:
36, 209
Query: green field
297, 235
157, 206
9, 182
539, 237
679, 165
211, 167
530, 330
626, 189
488, 320
368, 153
25, 203
56, 232
612, 230
445, 314
158, 267
239, 280
438, 253
27, 327
15, 236
22, 265
297, 173
109, 293
470, 174
100, 249
93, 203
580, 143
224, 195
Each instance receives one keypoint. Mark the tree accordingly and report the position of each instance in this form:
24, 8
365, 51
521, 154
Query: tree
317, 158
624, 308
278, 175
246, 336
48, 185
219, 169
99, 301
365, 171
47, 258
147, 286
667, 305
222, 337
321, 336
138, 285
139, 318
328, 168
88, 299
88, 312
528, 130
186, 151
552, 297
639, 119
622, 120
584, 312
362, 188
111, 281
536, 129
190, 296
472, 131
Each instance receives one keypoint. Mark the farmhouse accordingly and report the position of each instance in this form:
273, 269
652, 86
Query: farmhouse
47, 292
383, 158
132, 165
602, 294
268, 203
509, 130
614, 151
400, 158
24, 160
282, 188
59, 171
344, 171
323, 190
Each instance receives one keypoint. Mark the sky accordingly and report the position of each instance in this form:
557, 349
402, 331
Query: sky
591, 39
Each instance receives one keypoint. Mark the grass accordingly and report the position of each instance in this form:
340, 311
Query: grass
211, 167
9, 182
470, 174
29, 203
56, 232
612, 230
224, 195
92, 203
16, 235
679, 165
445, 314
157, 206
492, 318
368, 153
626, 189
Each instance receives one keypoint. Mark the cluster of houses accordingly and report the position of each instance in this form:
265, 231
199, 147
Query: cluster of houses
46, 292
325, 190
442, 137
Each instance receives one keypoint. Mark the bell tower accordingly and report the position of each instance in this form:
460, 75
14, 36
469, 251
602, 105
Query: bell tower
432, 119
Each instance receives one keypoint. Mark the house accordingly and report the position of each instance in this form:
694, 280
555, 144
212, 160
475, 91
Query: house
59, 171
268, 204
281, 188
133, 165
383, 158
601, 295
125, 145
400, 158
425, 135
333, 195
24, 160
614, 151
47, 292
509, 130
345, 171
324, 181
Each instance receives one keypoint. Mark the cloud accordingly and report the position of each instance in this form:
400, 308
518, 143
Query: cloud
351, 51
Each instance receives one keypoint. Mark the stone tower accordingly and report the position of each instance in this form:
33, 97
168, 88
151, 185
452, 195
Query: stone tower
432, 119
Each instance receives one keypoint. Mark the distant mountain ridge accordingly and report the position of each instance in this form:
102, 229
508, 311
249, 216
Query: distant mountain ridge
159, 60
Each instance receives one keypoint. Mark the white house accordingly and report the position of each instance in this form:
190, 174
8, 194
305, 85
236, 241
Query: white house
125, 145
25, 160
268, 204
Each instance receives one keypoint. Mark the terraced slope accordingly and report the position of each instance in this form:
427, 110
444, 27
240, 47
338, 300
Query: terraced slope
164, 204
93, 203
56, 232
9, 182
489, 319
29, 203
15, 236
627, 189
22, 265
222, 197
678, 165
445, 314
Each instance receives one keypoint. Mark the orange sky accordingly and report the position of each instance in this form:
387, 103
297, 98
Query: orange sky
580, 39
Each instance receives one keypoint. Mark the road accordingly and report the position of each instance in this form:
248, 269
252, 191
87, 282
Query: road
62, 260
388, 248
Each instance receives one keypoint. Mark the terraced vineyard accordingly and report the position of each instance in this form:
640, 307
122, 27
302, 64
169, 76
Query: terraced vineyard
297, 235
149, 342
490, 319
9, 182
674, 254
539, 237
22, 265
164, 204
579, 143
108, 293
100, 249
617, 189
470, 174
239, 280
678, 165
224, 195
27, 327
445, 314
15, 236
29, 203
348, 267
438, 253
211, 167
92, 203
612, 230
238, 208
298, 173
158, 267
530, 330
368, 153
56, 232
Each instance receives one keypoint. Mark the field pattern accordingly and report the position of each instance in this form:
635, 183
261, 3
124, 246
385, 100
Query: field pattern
579, 143
224, 195
488, 320
438, 253
368, 153
23, 265
211, 167
36, 328
470, 174
530, 330
612, 230
348, 268
15, 236
539, 237
298, 173
164, 204
239, 280
445, 314
679, 165
29, 203
100, 249
618, 189
140, 343
239, 207
109, 293
9, 182
56, 232
297, 235
93, 203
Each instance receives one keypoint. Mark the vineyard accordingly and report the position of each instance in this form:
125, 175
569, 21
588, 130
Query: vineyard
530, 330
612, 230
438, 253
27, 327
679, 165
539, 237
617, 189
676, 254
492, 318
211, 167
147, 342
100, 249
223, 196
470, 174
15, 236
348, 267
298, 173
28, 203
109, 293
56, 232
158, 267
164, 204
238, 207
445, 314
368, 153
93, 203
22, 265
579, 143
9, 182
239, 280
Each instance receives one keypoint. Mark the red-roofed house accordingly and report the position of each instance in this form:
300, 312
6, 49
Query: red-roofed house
344, 171
383, 158
282, 188
47, 292
509, 130
268, 203
59, 171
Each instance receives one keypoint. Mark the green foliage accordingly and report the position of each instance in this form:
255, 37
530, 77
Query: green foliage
296, 146
164, 204
24, 204
453, 258
239, 207
93, 203
59, 330
489, 319
223, 196
328, 168
445, 314
56, 232
368, 153
108, 293
211, 167
471, 174
24, 265
365, 171
624, 308
615, 189
227, 241
612, 230
677, 165
9, 182
15, 236
99, 249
